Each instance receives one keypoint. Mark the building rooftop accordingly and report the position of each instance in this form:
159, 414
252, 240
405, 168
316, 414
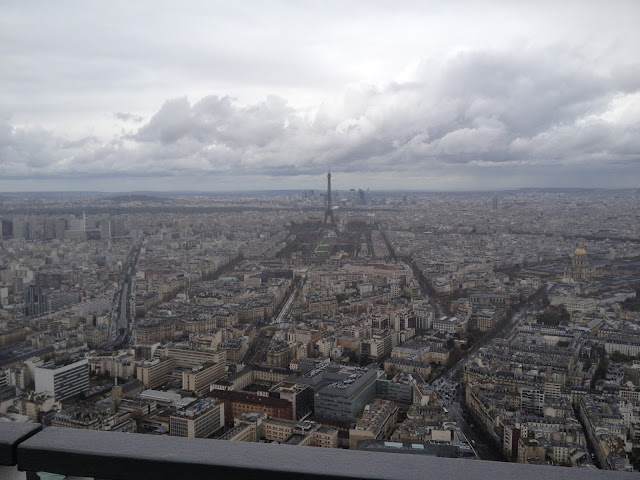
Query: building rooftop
246, 397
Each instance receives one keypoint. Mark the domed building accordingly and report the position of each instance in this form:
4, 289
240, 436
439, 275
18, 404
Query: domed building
579, 268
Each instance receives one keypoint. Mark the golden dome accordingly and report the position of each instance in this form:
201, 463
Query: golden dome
580, 250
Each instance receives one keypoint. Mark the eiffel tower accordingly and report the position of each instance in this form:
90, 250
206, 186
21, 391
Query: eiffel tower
328, 214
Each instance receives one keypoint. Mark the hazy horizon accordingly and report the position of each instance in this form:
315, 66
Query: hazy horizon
320, 191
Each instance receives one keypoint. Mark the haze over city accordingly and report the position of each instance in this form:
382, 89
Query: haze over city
213, 96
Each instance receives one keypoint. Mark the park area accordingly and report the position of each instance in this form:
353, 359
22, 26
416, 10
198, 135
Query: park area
323, 248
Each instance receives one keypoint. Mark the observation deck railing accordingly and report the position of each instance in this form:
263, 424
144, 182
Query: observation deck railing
26, 449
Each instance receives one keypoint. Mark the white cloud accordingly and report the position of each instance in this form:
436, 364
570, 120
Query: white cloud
391, 93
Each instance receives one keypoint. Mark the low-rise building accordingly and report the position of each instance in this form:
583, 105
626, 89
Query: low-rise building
242, 402
377, 422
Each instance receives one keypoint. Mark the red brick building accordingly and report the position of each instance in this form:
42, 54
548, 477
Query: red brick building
241, 402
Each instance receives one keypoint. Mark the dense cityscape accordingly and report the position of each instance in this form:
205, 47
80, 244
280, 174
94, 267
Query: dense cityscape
361, 240
479, 326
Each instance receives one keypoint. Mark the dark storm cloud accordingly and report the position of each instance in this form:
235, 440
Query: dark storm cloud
519, 110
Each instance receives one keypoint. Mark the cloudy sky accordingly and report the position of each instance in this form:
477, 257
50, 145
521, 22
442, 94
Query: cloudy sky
219, 95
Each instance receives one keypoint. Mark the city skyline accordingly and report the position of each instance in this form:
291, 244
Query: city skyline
214, 97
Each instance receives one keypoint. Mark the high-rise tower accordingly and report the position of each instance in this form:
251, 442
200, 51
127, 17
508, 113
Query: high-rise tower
328, 214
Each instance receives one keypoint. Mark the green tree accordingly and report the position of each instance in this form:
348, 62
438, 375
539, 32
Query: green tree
621, 357
632, 304
454, 355
601, 371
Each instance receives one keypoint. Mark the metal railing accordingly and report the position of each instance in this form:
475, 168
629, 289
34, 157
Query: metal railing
128, 456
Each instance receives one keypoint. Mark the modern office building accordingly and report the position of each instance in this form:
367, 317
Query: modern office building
199, 378
63, 380
300, 396
341, 392
35, 301
38, 301
201, 419
194, 357
153, 373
